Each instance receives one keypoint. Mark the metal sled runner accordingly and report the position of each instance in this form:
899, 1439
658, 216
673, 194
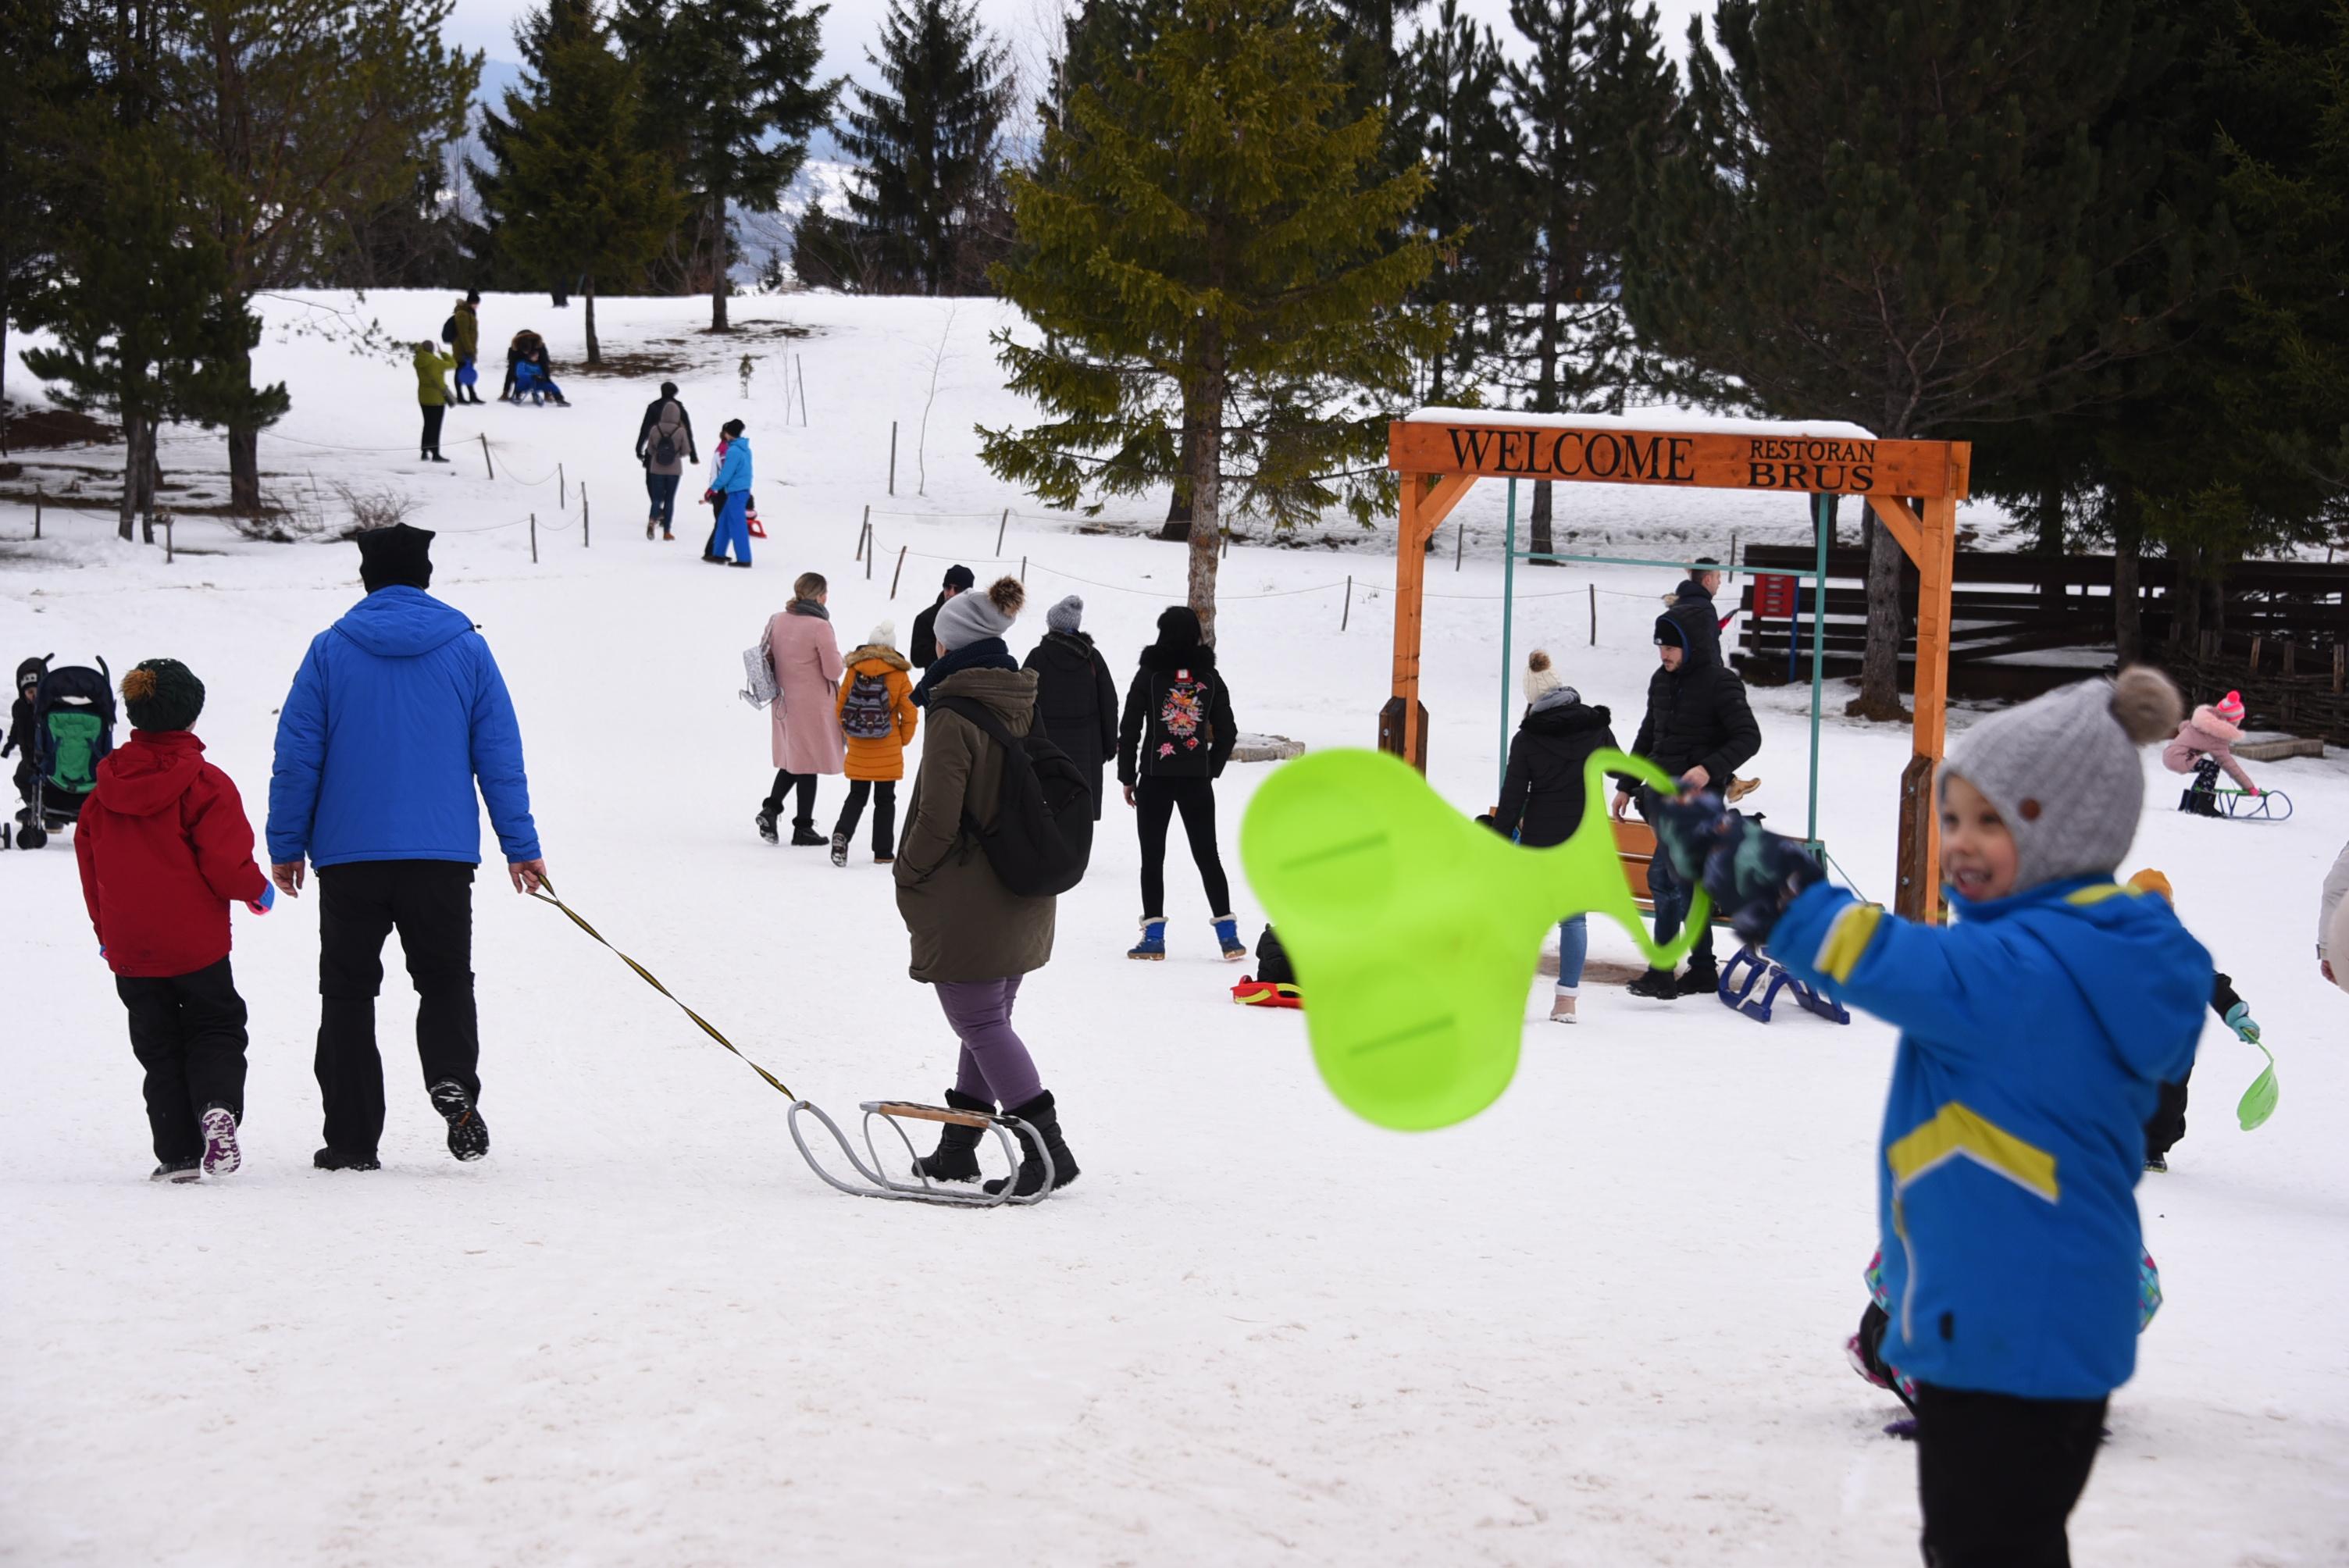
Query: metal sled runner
2241, 806
922, 1190
1740, 995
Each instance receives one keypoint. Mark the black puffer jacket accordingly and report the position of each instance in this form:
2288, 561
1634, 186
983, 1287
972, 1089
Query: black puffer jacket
1542, 793
1691, 592
1697, 714
1077, 702
1178, 717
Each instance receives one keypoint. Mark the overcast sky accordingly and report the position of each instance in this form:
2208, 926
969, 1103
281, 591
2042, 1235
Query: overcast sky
852, 24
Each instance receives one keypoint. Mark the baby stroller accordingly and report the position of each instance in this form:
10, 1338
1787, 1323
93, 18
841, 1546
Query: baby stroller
73, 729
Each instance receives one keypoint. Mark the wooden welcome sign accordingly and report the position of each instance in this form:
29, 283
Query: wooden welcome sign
1604, 454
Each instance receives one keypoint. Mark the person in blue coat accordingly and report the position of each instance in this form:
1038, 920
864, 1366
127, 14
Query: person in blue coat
2036, 1032
397, 712
732, 485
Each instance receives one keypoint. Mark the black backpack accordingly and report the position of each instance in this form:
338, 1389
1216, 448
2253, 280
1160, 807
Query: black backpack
449, 330
1044, 832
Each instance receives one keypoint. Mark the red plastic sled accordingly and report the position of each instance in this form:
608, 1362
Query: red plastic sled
1267, 993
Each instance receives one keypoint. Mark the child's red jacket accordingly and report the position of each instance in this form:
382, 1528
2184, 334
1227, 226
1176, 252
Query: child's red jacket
164, 849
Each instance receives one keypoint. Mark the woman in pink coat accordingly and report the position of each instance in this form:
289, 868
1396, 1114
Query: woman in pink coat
2204, 743
806, 659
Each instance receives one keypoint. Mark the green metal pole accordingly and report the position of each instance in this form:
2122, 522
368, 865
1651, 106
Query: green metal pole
1508, 616
1819, 515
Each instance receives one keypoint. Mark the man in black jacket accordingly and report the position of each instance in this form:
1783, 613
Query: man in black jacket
922, 647
1699, 730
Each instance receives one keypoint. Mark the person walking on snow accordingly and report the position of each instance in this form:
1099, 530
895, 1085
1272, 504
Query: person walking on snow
923, 648
806, 712
877, 719
1543, 794
974, 939
665, 445
164, 849
2203, 745
732, 486
2035, 1032
1172, 742
397, 712
1703, 582
466, 343
1698, 728
1075, 697
432, 398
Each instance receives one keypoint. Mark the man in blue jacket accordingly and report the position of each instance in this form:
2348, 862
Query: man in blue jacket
397, 709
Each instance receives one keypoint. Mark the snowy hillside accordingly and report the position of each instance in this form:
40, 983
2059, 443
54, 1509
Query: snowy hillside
1601, 1324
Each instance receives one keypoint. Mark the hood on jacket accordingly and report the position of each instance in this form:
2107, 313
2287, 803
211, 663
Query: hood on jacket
1691, 623
148, 773
1009, 694
877, 653
1690, 588
2206, 717
1159, 659
400, 622
1568, 717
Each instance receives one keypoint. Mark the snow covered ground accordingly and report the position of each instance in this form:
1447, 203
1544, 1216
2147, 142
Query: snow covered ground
1601, 1324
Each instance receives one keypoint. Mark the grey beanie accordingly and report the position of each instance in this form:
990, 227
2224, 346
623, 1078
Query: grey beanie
968, 618
1065, 616
2063, 772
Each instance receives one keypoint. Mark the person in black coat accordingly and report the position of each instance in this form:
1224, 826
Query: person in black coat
1543, 795
922, 647
1172, 744
1698, 728
1702, 584
1074, 695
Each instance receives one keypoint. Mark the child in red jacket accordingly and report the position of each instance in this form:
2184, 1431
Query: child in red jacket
164, 849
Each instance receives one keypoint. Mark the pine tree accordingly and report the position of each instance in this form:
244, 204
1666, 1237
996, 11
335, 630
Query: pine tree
1456, 114
926, 143
1206, 247
1594, 87
731, 98
1897, 213
575, 187
45, 77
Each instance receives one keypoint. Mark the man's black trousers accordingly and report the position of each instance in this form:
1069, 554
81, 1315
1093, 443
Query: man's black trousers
430, 903
1998, 1475
188, 1032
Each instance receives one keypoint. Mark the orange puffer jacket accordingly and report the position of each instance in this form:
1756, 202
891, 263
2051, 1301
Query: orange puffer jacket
882, 757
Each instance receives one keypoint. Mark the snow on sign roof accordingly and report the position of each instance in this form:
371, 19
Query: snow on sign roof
1680, 420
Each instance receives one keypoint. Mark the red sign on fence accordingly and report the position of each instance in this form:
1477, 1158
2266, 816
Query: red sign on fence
1774, 596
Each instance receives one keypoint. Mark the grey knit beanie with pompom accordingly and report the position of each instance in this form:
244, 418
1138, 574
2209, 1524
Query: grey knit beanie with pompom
968, 618
2064, 774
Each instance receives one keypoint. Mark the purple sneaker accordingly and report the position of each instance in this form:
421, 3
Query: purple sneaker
221, 1154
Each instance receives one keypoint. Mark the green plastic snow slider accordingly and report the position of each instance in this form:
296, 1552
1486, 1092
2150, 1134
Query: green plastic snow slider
2258, 1102
1415, 932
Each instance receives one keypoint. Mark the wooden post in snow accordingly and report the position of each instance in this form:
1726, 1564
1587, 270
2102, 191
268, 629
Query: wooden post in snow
999, 529
534, 538
491, 467
1346, 613
899, 573
583, 514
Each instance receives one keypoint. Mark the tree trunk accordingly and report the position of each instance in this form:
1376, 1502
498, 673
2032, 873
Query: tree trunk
718, 280
2050, 543
1538, 539
2127, 540
134, 454
244, 451
2186, 596
1880, 669
1207, 497
1545, 402
1177, 526
595, 353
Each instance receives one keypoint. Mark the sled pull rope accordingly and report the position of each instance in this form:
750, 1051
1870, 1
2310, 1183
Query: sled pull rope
544, 892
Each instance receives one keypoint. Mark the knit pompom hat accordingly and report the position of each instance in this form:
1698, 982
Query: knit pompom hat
884, 635
2063, 771
163, 693
2230, 707
1541, 679
1066, 616
968, 618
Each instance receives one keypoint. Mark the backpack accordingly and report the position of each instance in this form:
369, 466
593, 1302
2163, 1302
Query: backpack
449, 330
1044, 832
866, 715
1183, 714
665, 447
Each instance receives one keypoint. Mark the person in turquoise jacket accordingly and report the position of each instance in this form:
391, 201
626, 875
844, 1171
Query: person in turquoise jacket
396, 715
732, 484
2037, 1031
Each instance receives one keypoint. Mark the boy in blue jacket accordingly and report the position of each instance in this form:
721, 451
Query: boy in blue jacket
2037, 1031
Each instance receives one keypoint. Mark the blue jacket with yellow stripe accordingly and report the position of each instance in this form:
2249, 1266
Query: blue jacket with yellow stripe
2034, 1034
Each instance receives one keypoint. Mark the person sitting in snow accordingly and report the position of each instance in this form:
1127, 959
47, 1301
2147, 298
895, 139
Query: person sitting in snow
2203, 745
2035, 1034
164, 848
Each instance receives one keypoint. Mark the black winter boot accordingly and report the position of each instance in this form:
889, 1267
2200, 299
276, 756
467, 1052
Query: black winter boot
1045, 1122
1657, 983
1703, 978
956, 1158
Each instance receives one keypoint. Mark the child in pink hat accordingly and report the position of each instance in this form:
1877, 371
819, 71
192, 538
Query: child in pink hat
2204, 743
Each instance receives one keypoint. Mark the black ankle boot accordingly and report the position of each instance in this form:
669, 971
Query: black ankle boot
956, 1158
1045, 1122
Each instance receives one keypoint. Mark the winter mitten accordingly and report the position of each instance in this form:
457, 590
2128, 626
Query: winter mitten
1754, 874
266, 902
1688, 828
2239, 1019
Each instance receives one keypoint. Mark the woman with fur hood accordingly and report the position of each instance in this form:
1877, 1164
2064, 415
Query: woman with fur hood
1074, 695
973, 938
2204, 743
1543, 793
1173, 743
877, 719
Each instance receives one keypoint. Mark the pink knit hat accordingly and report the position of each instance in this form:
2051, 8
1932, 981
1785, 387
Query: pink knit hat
2230, 707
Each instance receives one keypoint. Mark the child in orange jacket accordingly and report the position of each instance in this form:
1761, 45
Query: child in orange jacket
877, 717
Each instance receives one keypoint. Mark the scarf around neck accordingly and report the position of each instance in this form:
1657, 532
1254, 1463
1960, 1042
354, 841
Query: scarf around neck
807, 608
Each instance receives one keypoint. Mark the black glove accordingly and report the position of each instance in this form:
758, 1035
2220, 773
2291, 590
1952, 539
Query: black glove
1754, 874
